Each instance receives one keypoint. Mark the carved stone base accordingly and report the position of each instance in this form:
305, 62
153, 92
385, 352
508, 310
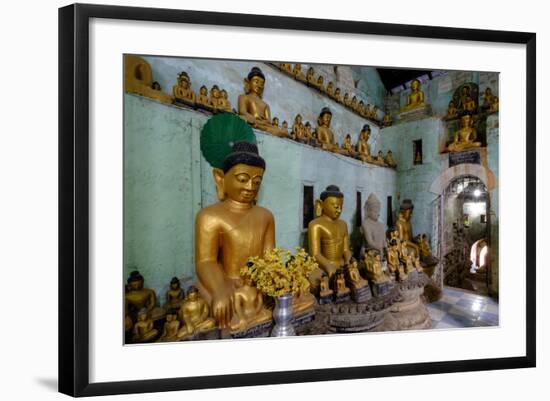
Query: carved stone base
304, 317
261, 330
381, 289
415, 114
326, 299
338, 299
361, 294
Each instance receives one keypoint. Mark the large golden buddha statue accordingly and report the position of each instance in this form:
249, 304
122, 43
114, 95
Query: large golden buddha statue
328, 235
252, 108
415, 99
232, 230
465, 137
138, 79
325, 136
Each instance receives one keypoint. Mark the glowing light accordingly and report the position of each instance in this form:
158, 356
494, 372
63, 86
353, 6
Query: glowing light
477, 192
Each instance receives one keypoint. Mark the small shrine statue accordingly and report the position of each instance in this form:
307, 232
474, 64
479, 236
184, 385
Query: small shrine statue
304, 300
221, 229
286, 67
404, 226
465, 137
374, 232
470, 106
297, 72
203, 101
320, 83
361, 108
143, 329
330, 89
379, 159
465, 93
407, 258
224, 103
215, 99
390, 160
182, 90
374, 113
310, 77
298, 129
363, 149
340, 288
387, 120
174, 295
138, 79
347, 100
354, 105
394, 265
308, 135
281, 132
347, 147
328, 235
490, 104
194, 314
355, 280
171, 328
324, 288
337, 95
415, 99
373, 265
325, 136
252, 108
138, 297
452, 111
248, 305
367, 111
284, 126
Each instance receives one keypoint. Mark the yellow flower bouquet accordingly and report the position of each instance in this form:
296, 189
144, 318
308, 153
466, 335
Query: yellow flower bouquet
280, 272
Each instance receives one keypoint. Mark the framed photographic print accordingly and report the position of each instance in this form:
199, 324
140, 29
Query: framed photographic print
250, 199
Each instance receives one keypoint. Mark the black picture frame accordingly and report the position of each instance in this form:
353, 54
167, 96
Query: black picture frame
74, 194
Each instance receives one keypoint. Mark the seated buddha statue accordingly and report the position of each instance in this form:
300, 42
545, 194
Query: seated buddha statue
452, 111
404, 226
407, 258
182, 90
465, 93
373, 265
330, 89
354, 104
387, 120
470, 106
379, 159
171, 328
425, 251
194, 314
248, 304
363, 148
203, 101
465, 137
137, 297
223, 103
347, 100
320, 83
328, 235
347, 147
355, 280
337, 95
222, 228
298, 129
174, 295
367, 111
286, 67
284, 127
143, 329
374, 231
340, 288
215, 99
324, 287
297, 72
281, 132
415, 99
308, 135
310, 77
374, 113
252, 108
490, 104
390, 160
138, 79
303, 300
394, 265
361, 108
324, 134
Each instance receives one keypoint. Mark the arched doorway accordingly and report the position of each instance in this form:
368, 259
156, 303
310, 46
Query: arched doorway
465, 234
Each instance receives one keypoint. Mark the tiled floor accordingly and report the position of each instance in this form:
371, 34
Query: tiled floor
459, 308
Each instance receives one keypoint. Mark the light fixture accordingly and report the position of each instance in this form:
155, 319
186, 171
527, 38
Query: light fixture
477, 192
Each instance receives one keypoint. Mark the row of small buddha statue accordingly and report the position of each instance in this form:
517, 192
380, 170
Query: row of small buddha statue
216, 101
467, 105
357, 106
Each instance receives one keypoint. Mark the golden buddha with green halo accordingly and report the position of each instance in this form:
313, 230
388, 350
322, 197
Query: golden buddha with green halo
415, 99
328, 236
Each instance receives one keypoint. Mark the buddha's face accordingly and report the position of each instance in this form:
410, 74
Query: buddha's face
170, 317
415, 85
142, 317
297, 68
310, 72
298, 119
285, 124
256, 85
193, 295
337, 92
365, 134
275, 121
135, 285
325, 119
242, 183
203, 90
373, 211
332, 207
466, 120
174, 286
215, 93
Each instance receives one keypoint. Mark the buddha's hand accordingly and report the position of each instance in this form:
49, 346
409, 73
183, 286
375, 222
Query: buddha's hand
222, 307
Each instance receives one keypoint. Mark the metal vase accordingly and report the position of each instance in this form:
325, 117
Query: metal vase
283, 315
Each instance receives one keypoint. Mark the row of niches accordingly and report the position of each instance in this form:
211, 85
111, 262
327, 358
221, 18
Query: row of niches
254, 110
358, 106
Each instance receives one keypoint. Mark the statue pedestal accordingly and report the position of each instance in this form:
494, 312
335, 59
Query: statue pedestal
214, 334
304, 317
261, 330
327, 299
381, 289
338, 299
415, 114
361, 294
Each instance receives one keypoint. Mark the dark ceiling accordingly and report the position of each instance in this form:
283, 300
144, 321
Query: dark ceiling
393, 78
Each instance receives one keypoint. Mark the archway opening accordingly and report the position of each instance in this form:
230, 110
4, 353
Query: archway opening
466, 234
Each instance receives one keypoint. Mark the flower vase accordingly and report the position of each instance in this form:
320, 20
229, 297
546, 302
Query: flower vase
283, 316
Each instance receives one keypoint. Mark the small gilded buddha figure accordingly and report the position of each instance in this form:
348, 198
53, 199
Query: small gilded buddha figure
286, 67
284, 126
324, 288
308, 135
363, 148
404, 226
340, 288
337, 96
361, 108
374, 113
387, 120
203, 101
137, 297
347, 100
174, 295
464, 95
297, 72
394, 265
325, 136
390, 160
298, 129
470, 106
215, 99
373, 231
347, 147
223, 103
407, 258
320, 83
281, 132
194, 314
415, 99
171, 328
465, 137
452, 111
304, 300
379, 159
143, 329
252, 108
330, 89
355, 280
182, 90
222, 228
425, 250
490, 104
368, 111
138, 79
310, 77
354, 105
373, 265
248, 304
328, 235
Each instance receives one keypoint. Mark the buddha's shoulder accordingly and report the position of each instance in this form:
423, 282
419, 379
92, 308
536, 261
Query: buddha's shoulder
262, 211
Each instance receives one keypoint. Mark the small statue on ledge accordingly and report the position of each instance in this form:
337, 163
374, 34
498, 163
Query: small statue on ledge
373, 264
174, 295
194, 313
215, 99
310, 77
325, 292
143, 329
224, 104
138, 79
354, 277
361, 109
297, 72
415, 99
182, 90
347, 101
139, 298
387, 120
354, 105
286, 67
281, 132
330, 89
171, 328
389, 159
490, 104
337, 96
341, 292
465, 137
452, 111
249, 308
374, 113
325, 136
298, 129
394, 265
203, 101
347, 147
363, 148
